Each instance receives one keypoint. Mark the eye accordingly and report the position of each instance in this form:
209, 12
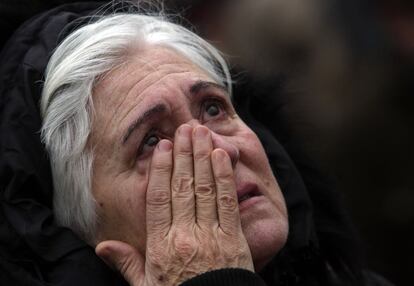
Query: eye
151, 141
212, 110
148, 144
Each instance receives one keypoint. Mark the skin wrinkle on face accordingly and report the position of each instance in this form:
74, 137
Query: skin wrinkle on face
120, 180
131, 92
160, 108
146, 65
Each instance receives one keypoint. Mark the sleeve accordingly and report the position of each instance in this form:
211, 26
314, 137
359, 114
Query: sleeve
226, 277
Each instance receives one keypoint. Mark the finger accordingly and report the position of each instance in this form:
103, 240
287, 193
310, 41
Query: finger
124, 258
227, 205
204, 187
182, 183
158, 209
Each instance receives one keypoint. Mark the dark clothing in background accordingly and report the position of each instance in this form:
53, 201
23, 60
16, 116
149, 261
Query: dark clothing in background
321, 247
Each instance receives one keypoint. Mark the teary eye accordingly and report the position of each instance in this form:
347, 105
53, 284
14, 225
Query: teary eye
213, 109
151, 141
148, 144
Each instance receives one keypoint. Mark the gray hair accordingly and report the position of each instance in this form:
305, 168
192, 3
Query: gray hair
67, 107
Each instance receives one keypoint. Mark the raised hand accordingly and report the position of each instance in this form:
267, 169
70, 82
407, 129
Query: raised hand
192, 215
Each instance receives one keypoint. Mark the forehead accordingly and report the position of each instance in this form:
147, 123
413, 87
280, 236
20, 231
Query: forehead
143, 69
148, 75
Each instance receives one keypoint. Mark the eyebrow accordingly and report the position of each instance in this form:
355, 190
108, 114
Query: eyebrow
202, 85
153, 111
161, 108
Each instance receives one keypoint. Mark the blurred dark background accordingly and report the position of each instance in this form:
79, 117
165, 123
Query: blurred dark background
348, 69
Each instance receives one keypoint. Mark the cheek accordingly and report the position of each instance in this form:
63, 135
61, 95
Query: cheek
122, 206
253, 148
255, 158
132, 197
122, 198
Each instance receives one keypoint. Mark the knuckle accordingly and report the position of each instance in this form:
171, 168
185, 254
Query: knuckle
183, 154
182, 184
158, 196
162, 168
202, 155
205, 188
205, 192
228, 203
185, 247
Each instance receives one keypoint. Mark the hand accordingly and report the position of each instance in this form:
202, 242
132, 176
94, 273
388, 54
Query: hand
193, 222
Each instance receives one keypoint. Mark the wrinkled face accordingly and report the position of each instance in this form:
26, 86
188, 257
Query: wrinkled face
148, 99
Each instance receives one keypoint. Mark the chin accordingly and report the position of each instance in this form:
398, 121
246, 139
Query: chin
265, 235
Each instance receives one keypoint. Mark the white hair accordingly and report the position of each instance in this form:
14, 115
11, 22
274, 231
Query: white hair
66, 104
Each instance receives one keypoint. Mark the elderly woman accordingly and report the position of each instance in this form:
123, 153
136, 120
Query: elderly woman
153, 167
147, 148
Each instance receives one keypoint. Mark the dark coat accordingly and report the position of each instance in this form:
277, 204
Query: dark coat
321, 247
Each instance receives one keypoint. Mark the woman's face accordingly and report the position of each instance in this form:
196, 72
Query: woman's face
147, 99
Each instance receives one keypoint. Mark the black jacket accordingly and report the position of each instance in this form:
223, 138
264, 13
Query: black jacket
321, 247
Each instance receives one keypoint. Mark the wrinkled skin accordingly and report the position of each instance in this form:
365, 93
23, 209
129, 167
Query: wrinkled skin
166, 190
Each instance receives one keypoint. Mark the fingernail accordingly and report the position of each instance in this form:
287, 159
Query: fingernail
218, 155
185, 130
165, 145
201, 132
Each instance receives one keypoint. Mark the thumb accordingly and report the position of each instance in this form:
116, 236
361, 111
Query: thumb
124, 258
